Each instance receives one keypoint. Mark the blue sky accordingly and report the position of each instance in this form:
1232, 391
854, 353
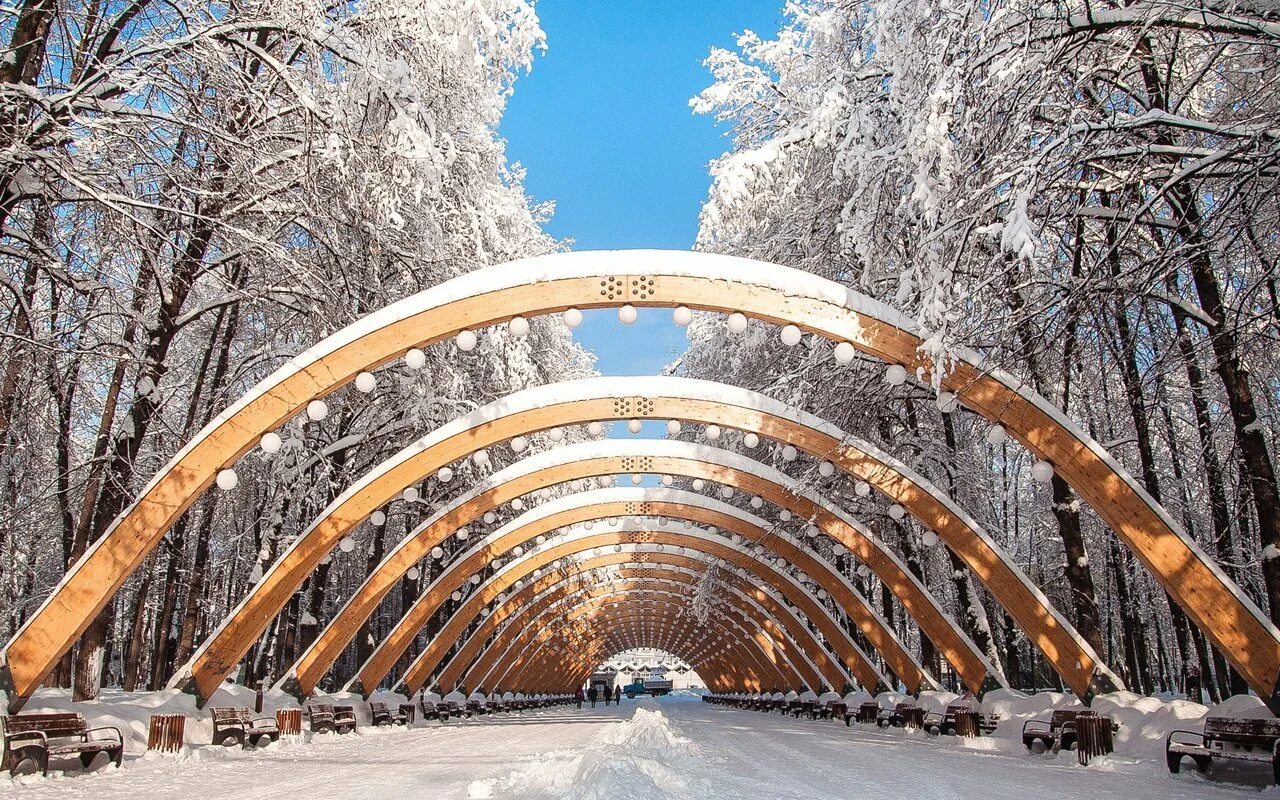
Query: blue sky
603, 126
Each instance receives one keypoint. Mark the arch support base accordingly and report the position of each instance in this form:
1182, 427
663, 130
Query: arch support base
1102, 682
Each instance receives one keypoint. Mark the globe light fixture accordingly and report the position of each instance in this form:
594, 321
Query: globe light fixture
635, 426
595, 428
826, 469
673, 427
844, 352
519, 327
895, 375
346, 544
412, 573
227, 480
366, 382
270, 443
572, 317
862, 488
790, 335
1042, 471
317, 410
737, 322
480, 458
682, 316
712, 432
897, 512
751, 440
415, 358
410, 495
997, 434
627, 314
465, 340
378, 518
444, 475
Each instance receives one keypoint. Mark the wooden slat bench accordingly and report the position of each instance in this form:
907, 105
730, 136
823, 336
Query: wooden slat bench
239, 725
1058, 733
1256, 740
903, 715
945, 722
37, 737
325, 717
381, 714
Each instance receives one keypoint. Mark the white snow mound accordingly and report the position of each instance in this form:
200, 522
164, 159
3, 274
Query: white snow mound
642, 758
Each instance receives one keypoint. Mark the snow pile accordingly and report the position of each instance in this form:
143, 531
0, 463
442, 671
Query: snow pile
642, 758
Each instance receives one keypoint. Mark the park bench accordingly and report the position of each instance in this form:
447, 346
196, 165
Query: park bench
1058, 733
902, 715
1256, 740
868, 714
834, 709
37, 737
324, 717
381, 714
243, 727
945, 723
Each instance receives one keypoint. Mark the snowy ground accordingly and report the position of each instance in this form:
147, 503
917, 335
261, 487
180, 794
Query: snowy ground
674, 748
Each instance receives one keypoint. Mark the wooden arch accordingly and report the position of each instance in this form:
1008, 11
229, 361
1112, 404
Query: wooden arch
649, 278
608, 457
514, 637
526, 612
573, 546
746, 662
774, 654
658, 569
579, 631
592, 507
794, 656
650, 398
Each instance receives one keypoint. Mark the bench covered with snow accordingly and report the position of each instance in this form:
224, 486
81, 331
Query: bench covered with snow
325, 717
36, 737
238, 725
381, 714
1057, 733
1256, 740
958, 718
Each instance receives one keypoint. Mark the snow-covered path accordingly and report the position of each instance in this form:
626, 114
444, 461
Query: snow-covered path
689, 750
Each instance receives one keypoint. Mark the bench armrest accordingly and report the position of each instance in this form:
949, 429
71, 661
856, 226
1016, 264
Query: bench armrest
25, 735
1169, 740
119, 736
1044, 726
271, 720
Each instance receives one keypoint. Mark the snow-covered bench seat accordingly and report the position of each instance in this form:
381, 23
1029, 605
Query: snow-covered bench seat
238, 725
324, 717
381, 714
1057, 733
36, 737
902, 715
1256, 740
945, 722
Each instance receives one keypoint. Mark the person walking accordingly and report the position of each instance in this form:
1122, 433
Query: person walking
578, 696
592, 694
608, 695
617, 695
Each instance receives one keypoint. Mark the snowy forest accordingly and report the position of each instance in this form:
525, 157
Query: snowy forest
1086, 194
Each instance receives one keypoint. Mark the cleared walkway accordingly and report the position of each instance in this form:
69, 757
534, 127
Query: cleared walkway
674, 748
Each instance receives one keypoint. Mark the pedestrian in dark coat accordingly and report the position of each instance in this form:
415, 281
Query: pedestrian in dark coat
617, 695
578, 696
592, 694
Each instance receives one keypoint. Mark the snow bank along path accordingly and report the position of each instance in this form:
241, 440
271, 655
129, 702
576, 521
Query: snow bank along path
676, 748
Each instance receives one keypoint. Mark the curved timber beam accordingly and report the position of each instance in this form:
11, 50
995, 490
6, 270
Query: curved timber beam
590, 508
651, 278
774, 656
656, 572
594, 459
571, 544
769, 655
626, 541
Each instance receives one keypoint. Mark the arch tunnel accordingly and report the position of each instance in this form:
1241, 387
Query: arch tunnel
600, 568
